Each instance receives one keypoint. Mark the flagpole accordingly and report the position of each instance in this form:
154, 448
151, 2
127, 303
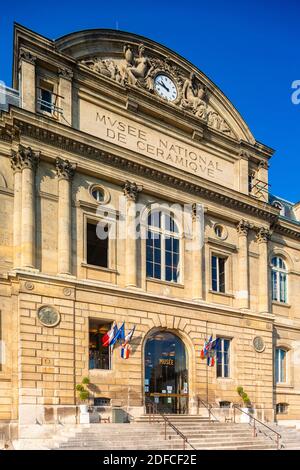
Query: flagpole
206, 371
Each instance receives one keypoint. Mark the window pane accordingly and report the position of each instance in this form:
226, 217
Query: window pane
169, 275
214, 273
274, 286
97, 249
157, 271
222, 274
99, 355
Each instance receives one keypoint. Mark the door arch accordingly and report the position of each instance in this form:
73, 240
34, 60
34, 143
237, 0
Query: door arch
165, 372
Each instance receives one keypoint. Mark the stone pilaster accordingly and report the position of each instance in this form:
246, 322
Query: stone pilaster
243, 262
65, 92
27, 80
28, 161
16, 165
197, 250
262, 238
65, 172
131, 191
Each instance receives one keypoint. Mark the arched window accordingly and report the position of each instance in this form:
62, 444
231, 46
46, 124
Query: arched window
280, 365
162, 247
279, 280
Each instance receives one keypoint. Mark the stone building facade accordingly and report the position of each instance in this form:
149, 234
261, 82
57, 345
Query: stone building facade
99, 124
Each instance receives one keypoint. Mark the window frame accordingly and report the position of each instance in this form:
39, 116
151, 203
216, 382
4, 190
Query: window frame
225, 259
110, 221
110, 355
279, 275
221, 341
278, 367
48, 83
164, 234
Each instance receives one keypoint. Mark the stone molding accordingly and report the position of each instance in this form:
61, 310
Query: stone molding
64, 169
131, 190
25, 157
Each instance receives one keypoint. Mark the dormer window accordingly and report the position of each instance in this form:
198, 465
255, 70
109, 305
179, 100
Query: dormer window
279, 206
47, 98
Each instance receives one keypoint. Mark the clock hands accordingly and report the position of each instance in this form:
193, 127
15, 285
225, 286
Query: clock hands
163, 84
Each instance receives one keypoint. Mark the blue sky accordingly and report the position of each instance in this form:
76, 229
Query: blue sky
250, 49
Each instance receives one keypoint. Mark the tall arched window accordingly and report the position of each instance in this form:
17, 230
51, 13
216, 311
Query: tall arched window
279, 280
162, 247
280, 365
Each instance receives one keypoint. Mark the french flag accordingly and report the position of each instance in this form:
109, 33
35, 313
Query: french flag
125, 351
109, 336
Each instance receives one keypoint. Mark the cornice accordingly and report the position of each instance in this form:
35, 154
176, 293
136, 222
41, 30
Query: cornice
287, 228
53, 135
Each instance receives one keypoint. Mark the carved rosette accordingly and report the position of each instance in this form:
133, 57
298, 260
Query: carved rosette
64, 169
243, 227
25, 157
263, 235
131, 190
27, 56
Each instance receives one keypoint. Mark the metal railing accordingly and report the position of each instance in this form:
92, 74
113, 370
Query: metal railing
253, 422
208, 406
153, 411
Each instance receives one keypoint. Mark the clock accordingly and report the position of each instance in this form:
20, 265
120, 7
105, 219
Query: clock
48, 316
165, 87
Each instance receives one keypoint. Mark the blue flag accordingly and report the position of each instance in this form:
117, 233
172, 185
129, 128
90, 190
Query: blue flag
120, 334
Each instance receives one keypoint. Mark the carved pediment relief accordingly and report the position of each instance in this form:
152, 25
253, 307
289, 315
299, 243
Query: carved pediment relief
138, 69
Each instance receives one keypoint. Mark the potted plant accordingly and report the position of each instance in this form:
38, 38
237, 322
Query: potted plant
246, 406
83, 395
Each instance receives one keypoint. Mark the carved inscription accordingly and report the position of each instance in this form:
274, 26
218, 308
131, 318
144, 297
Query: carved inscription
143, 140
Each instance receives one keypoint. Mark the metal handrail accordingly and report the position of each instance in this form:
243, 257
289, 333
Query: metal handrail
209, 407
255, 428
153, 406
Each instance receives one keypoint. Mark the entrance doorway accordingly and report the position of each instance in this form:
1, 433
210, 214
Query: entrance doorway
166, 374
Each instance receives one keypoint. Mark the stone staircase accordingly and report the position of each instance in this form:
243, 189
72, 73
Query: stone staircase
145, 435
290, 436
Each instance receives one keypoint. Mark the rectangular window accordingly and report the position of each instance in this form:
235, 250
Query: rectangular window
218, 273
280, 366
96, 248
46, 97
223, 358
99, 356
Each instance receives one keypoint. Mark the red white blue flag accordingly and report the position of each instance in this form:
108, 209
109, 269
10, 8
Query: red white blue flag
109, 336
125, 351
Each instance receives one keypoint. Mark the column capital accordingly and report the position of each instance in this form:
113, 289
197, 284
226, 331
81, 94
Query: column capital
25, 157
64, 169
27, 56
197, 211
263, 235
131, 190
243, 227
65, 73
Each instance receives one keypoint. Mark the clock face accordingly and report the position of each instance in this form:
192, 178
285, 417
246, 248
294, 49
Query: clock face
48, 316
165, 87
